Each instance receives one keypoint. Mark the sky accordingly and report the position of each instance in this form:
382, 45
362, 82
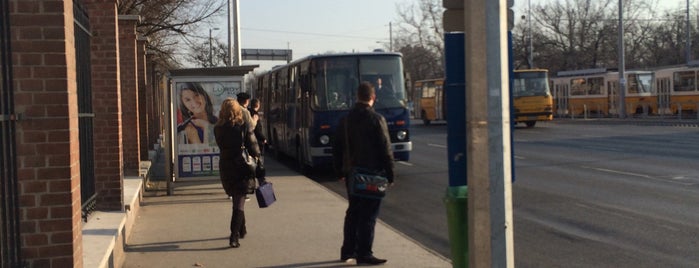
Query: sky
310, 27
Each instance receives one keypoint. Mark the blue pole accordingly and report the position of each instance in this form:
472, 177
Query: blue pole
455, 91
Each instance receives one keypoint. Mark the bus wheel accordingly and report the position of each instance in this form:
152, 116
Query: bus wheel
530, 123
426, 122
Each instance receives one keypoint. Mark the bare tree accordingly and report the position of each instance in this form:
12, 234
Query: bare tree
199, 53
579, 34
167, 22
420, 37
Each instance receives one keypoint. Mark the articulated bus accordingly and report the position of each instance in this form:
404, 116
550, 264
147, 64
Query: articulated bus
432, 105
303, 101
531, 97
595, 91
532, 100
677, 89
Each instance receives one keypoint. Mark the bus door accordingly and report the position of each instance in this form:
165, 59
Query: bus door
562, 93
612, 97
303, 116
663, 87
439, 104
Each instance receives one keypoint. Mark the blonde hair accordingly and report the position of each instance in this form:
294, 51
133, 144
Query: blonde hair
231, 111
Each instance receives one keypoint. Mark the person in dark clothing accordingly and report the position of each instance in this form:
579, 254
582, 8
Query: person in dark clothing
261, 139
231, 133
368, 146
255, 114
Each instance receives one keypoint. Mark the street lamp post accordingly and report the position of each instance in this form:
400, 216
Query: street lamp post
211, 50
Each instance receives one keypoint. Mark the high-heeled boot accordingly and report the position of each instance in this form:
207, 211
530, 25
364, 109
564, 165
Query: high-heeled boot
243, 230
236, 222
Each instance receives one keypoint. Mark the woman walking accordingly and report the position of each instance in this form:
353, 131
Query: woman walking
232, 134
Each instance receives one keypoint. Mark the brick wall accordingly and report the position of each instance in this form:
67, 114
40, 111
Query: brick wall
43, 58
129, 93
106, 104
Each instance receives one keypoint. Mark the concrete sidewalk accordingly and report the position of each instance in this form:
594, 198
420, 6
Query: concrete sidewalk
302, 229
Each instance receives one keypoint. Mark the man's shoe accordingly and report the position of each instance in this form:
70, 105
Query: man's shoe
345, 258
370, 260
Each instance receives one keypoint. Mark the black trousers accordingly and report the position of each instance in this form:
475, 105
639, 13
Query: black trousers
360, 220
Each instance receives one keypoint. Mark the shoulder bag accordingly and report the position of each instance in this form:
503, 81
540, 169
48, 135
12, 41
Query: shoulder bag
248, 162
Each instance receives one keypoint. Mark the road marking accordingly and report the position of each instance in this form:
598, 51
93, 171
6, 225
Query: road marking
405, 163
437, 145
520, 157
638, 175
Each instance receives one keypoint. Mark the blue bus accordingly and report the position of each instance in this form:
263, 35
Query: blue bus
302, 102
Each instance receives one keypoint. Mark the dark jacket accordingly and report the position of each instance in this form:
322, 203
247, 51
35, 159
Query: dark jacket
258, 127
368, 140
230, 139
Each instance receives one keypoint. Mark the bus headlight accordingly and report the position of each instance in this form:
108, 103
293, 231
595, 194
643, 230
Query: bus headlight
324, 140
401, 135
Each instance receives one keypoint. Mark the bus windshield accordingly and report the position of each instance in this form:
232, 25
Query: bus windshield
335, 81
530, 84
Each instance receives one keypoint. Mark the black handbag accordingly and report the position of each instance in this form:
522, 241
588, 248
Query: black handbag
249, 163
251, 186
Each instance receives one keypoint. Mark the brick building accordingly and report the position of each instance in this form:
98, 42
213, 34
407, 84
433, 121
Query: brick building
69, 71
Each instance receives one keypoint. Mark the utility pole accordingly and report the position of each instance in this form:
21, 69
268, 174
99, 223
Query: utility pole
622, 64
490, 229
531, 47
688, 50
234, 38
390, 36
211, 53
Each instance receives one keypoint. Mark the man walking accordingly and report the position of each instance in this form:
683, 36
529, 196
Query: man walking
362, 140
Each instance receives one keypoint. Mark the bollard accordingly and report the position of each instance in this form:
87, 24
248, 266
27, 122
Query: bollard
457, 222
679, 111
585, 111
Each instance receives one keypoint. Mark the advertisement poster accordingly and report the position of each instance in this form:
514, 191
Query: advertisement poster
197, 104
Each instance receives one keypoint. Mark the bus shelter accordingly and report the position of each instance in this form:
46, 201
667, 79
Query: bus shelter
194, 100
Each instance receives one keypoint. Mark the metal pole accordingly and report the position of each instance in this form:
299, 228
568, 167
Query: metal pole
390, 36
211, 54
236, 61
230, 50
688, 50
622, 79
531, 47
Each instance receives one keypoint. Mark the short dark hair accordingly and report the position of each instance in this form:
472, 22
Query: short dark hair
365, 91
242, 97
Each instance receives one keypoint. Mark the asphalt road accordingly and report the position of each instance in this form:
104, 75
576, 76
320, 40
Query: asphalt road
587, 194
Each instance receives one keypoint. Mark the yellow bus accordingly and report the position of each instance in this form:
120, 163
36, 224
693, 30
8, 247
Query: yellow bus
595, 91
431, 103
532, 100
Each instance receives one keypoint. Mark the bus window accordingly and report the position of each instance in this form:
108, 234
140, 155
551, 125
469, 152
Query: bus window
639, 83
578, 87
388, 70
334, 77
530, 84
684, 81
595, 85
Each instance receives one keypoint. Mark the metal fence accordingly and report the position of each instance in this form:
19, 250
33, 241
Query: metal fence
9, 216
85, 113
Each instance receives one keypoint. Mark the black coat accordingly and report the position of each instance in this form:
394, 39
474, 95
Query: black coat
369, 142
230, 138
